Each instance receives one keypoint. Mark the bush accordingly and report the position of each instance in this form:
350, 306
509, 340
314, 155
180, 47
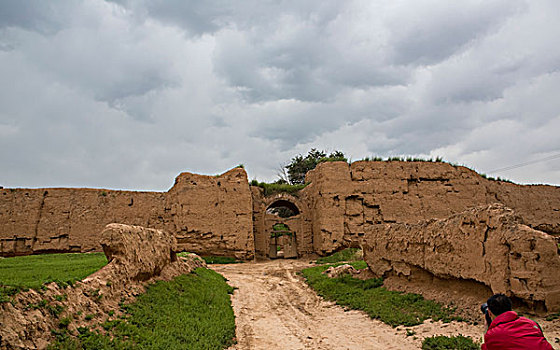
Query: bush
274, 188
441, 342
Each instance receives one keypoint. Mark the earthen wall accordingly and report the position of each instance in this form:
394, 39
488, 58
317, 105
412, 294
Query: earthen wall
347, 200
208, 215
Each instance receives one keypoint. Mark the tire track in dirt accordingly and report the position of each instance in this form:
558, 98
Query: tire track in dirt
275, 309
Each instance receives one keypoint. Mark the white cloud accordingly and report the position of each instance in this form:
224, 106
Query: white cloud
127, 94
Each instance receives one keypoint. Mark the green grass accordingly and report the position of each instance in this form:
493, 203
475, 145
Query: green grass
191, 312
393, 308
441, 342
274, 188
215, 259
32, 271
348, 254
220, 260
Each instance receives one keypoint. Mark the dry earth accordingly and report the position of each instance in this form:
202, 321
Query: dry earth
275, 309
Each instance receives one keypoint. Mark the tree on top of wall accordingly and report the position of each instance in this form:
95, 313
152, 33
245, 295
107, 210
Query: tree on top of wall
300, 165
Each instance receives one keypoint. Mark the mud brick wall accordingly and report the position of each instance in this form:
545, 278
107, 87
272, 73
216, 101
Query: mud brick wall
212, 215
207, 214
348, 199
488, 245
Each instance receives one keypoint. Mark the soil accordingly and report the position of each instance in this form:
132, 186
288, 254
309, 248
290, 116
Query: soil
275, 309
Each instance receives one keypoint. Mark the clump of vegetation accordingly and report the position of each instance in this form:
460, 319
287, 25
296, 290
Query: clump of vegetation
280, 229
441, 342
495, 178
404, 159
215, 259
393, 308
274, 188
300, 165
553, 317
348, 254
190, 312
220, 260
32, 271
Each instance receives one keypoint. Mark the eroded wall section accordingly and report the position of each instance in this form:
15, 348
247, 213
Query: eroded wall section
207, 214
489, 245
347, 200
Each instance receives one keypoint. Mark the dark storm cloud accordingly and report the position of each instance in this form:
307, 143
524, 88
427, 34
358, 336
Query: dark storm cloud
33, 15
127, 94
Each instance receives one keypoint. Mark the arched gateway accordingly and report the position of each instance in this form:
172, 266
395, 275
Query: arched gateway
278, 227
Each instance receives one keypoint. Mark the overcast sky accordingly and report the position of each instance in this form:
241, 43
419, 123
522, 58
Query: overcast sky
127, 94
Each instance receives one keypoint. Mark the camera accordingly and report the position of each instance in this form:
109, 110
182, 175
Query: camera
484, 308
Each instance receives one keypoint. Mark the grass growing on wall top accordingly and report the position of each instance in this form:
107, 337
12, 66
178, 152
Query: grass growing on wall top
274, 188
191, 312
393, 308
33, 271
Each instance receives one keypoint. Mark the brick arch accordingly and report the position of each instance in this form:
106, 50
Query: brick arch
262, 232
284, 200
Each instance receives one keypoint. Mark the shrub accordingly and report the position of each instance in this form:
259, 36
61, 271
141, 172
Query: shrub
274, 188
441, 342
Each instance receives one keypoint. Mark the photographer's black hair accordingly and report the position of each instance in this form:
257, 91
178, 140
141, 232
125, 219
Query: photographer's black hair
499, 303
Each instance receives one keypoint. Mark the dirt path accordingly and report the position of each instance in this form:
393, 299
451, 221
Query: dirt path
275, 309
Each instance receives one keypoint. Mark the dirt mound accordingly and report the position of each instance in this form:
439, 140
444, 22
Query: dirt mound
137, 256
341, 270
485, 249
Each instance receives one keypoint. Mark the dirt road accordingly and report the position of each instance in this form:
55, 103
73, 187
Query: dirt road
275, 309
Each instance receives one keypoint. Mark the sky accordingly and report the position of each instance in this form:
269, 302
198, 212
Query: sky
126, 94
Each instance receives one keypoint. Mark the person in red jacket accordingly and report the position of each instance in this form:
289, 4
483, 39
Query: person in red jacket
507, 330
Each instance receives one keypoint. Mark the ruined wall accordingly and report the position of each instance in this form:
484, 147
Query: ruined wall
223, 215
69, 220
207, 214
348, 199
488, 245
212, 215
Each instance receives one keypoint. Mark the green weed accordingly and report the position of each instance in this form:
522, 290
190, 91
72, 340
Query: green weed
348, 254
442, 342
393, 308
274, 188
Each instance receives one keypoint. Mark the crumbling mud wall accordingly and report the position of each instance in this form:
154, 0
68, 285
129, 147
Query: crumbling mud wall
487, 245
212, 215
208, 214
347, 200
69, 220
137, 256
223, 215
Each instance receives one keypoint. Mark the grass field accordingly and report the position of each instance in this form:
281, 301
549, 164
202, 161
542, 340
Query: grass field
32, 271
393, 308
191, 312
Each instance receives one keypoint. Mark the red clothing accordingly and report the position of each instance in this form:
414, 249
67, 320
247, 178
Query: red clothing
509, 331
